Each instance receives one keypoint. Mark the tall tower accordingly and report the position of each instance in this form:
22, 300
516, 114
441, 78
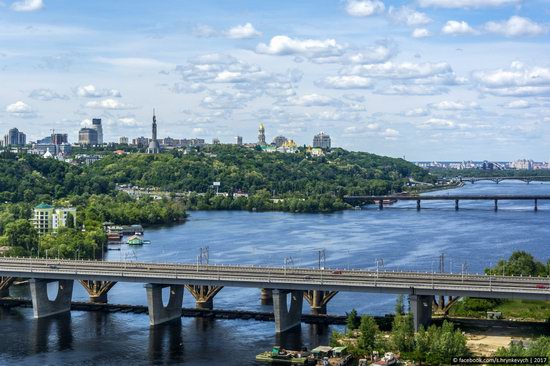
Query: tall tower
261, 135
154, 147
96, 125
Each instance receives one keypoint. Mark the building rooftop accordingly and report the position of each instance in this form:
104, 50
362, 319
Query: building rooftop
44, 205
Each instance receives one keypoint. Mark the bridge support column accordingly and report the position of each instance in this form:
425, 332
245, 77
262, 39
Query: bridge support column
285, 318
421, 308
158, 313
456, 205
266, 296
318, 300
42, 306
496, 205
204, 295
418, 205
97, 290
5, 283
536, 205
381, 204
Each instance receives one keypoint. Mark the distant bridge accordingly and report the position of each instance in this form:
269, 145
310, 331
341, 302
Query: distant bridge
296, 282
381, 200
500, 179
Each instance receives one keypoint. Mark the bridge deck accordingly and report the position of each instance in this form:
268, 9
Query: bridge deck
448, 197
279, 278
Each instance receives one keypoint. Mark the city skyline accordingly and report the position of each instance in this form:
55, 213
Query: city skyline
425, 79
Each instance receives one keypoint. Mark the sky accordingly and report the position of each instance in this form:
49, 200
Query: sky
420, 79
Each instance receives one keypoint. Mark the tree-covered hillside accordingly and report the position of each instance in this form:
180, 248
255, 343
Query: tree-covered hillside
240, 169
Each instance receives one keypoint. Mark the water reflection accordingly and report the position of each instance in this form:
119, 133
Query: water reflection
53, 333
166, 343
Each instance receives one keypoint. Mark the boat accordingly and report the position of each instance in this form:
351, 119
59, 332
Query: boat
280, 356
137, 240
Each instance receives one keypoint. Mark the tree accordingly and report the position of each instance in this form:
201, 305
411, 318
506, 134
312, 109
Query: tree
399, 305
352, 321
520, 263
367, 338
403, 332
21, 233
69, 220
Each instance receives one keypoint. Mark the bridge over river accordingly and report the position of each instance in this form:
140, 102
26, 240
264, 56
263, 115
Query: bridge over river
295, 283
380, 200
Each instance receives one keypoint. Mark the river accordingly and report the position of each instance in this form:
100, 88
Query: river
398, 238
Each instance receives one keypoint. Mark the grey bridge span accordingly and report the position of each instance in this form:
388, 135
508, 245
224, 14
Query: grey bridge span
296, 282
361, 200
526, 179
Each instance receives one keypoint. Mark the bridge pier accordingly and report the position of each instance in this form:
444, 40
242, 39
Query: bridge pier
318, 300
418, 205
42, 306
158, 313
496, 205
97, 290
380, 204
266, 296
204, 295
285, 318
5, 283
421, 309
536, 205
456, 205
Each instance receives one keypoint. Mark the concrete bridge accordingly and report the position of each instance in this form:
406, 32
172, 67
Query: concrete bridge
381, 200
281, 282
526, 179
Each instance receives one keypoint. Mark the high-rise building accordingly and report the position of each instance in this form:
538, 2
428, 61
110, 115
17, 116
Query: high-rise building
123, 140
15, 138
321, 140
47, 218
154, 147
59, 138
261, 135
96, 125
215, 141
239, 140
279, 141
87, 136
140, 141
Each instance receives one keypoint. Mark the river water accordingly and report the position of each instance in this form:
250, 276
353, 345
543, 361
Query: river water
397, 238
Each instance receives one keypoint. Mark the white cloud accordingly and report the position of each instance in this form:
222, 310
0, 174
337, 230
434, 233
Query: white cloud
313, 100
204, 31
108, 104
408, 89
417, 112
457, 27
370, 55
456, 4
283, 45
516, 26
243, 31
218, 99
345, 82
134, 62
27, 5
188, 87
421, 33
390, 134
46, 95
364, 8
21, 109
408, 16
437, 123
403, 70
90, 91
129, 122
519, 80
448, 105
517, 104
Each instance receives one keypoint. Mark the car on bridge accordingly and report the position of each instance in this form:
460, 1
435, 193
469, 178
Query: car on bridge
542, 286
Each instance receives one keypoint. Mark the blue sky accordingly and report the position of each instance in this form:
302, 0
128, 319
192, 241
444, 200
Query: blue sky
424, 79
